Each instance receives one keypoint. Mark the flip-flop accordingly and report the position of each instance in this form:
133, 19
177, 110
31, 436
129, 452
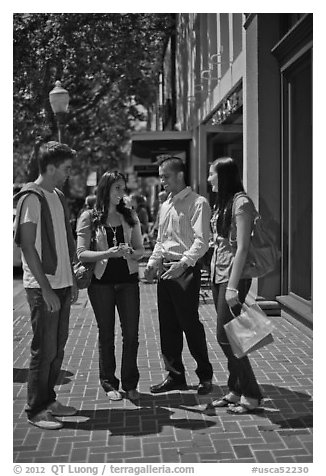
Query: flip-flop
223, 402
114, 395
240, 409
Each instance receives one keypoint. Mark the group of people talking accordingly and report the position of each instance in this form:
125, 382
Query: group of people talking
186, 227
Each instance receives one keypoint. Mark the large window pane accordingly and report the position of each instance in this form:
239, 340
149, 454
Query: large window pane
300, 178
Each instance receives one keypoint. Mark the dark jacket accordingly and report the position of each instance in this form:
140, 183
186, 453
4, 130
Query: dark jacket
49, 255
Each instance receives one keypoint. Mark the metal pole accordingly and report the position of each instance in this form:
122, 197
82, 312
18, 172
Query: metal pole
59, 131
60, 124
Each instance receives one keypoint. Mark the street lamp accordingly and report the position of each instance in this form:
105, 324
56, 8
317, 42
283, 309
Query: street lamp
59, 100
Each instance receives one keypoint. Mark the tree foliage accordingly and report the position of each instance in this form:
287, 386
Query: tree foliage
108, 62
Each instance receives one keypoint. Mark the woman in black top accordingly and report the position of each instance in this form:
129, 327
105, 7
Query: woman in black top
115, 281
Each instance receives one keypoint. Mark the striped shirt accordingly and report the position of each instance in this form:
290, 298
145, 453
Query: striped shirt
183, 232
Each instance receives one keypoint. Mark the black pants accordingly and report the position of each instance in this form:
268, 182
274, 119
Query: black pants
104, 299
242, 380
178, 301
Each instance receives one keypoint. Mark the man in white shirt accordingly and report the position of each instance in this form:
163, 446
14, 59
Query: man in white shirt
42, 229
183, 238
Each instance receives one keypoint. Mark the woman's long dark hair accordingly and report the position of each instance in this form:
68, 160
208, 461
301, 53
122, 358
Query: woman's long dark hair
229, 183
103, 198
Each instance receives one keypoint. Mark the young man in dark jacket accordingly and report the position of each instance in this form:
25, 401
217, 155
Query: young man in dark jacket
43, 231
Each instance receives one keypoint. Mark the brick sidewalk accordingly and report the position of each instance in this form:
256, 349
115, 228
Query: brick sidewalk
168, 428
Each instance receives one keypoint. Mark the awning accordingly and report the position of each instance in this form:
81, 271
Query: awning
150, 144
147, 148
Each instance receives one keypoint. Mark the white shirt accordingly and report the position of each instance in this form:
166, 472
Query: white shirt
31, 213
183, 232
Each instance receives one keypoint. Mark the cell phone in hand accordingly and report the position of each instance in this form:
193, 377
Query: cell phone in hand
125, 246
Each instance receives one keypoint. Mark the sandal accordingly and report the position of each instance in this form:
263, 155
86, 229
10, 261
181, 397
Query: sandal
114, 395
241, 409
225, 401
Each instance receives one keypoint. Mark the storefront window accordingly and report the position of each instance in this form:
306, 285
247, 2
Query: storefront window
298, 164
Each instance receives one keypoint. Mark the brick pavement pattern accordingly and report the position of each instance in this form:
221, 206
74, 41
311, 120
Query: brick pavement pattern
171, 427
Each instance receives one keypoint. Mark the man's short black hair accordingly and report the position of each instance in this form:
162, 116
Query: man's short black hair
53, 153
174, 163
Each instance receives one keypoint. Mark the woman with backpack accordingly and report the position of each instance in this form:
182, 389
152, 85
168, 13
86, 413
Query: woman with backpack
231, 224
114, 283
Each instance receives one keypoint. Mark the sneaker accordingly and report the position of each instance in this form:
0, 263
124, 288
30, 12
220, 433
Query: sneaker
46, 421
132, 394
57, 409
114, 395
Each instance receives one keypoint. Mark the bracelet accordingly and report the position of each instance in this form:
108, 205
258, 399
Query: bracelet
232, 289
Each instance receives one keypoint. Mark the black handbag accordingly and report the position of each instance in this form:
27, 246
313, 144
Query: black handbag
84, 271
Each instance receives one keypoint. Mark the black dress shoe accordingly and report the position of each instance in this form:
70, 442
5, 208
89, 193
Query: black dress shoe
169, 384
204, 387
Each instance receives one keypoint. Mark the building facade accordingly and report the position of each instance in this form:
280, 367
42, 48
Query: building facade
241, 85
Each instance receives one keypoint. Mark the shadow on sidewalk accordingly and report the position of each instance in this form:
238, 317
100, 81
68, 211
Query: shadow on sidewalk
21, 376
288, 402
144, 420
279, 407
153, 413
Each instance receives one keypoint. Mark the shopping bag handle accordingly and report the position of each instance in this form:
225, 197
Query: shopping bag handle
243, 307
232, 310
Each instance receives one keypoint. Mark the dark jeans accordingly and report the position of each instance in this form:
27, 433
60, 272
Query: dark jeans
50, 334
104, 298
178, 301
242, 380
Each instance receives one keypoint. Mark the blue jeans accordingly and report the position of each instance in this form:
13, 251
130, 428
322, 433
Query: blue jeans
104, 298
242, 380
50, 334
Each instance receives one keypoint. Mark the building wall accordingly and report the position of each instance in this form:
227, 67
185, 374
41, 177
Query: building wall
293, 53
207, 46
222, 54
262, 138
210, 63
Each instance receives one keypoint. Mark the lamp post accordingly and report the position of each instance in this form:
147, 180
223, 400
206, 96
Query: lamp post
59, 100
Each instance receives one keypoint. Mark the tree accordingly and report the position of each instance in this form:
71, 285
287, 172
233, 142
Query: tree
108, 62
